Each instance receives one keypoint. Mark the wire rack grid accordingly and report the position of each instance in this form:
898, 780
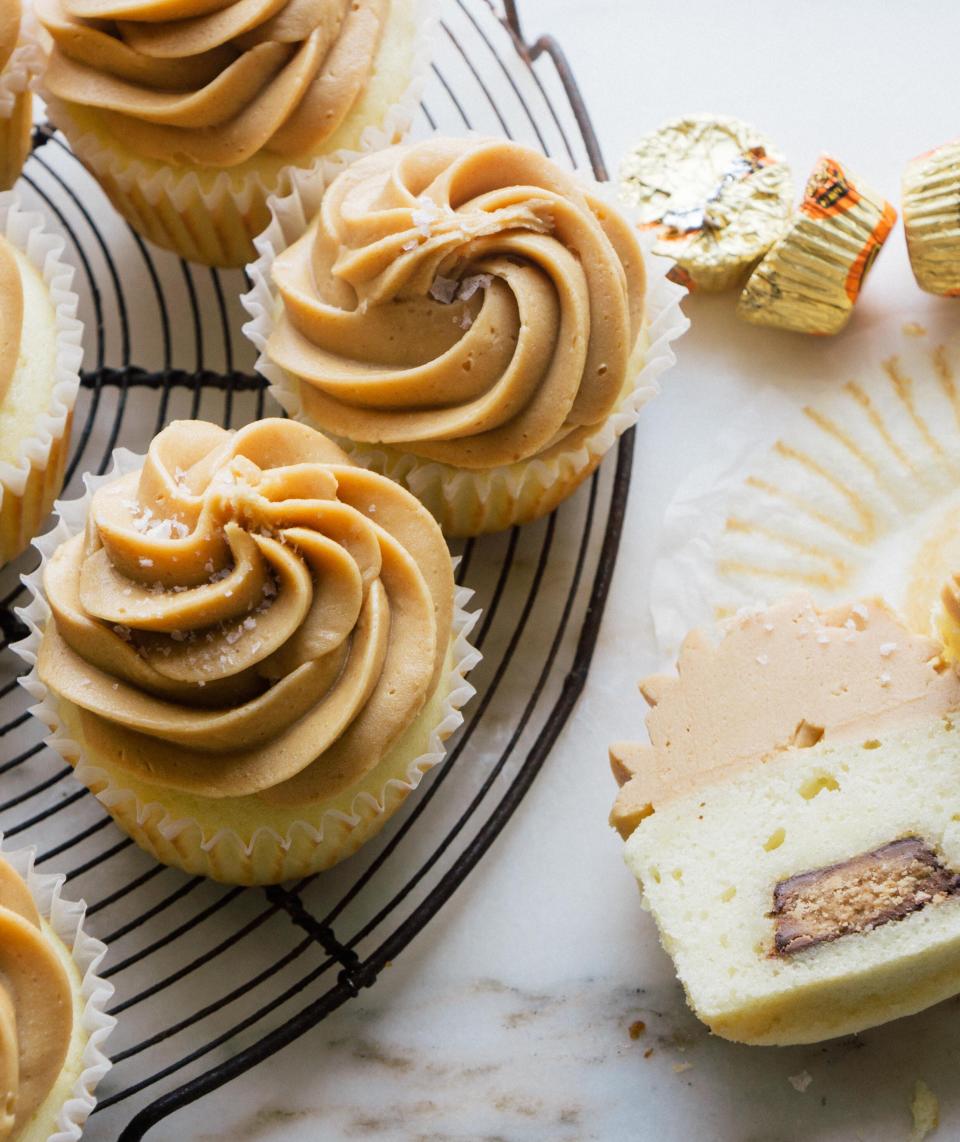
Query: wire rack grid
212, 980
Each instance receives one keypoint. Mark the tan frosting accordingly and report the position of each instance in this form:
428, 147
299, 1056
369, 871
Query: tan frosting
11, 315
782, 677
248, 614
36, 1007
464, 299
213, 83
9, 29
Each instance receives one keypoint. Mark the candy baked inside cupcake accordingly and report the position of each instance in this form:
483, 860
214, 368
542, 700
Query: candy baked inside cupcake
255, 648
39, 361
793, 822
188, 113
462, 314
52, 1023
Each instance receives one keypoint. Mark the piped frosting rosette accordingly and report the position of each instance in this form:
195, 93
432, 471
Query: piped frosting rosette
21, 59
151, 92
466, 317
52, 1019
254, 646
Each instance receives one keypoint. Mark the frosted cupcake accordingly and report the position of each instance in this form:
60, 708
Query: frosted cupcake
463, 315
251, 649
189, 112
20, 60
52, 1022
40, 355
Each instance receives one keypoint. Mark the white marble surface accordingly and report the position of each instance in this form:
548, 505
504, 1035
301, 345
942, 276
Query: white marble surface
509, 1017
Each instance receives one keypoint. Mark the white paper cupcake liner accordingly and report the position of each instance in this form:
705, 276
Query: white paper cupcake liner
851, 495
338, 832
25, 230
153, 195
66, 918
450, 493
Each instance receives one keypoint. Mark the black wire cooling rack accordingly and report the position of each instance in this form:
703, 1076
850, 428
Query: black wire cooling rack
212, 980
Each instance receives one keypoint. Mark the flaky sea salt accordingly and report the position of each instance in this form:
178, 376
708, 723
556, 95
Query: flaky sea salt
470, 285
887, 648
885, 679
144, 561
444, 289
763, 659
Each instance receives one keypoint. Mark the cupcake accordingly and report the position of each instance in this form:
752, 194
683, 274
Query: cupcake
37, 388
20, 61
52, 1022
466, 317
190, 113
793, 822
250, 649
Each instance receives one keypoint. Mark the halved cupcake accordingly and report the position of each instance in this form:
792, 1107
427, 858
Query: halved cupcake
250, 648
794, 822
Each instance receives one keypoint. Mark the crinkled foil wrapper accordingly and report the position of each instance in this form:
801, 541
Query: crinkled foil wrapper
716, 193
810, 280
931, 218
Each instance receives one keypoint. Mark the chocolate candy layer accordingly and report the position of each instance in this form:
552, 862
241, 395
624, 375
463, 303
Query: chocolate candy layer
859, 894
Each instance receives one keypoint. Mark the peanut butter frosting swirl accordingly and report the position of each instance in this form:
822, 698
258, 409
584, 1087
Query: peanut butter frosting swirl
36, 1007
249, 614
213, 82
465, 300
10, 13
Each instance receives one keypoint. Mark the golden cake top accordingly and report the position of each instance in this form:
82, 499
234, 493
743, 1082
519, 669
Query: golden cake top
248, 613
464, 299
778, 678
36, 1007
195, 81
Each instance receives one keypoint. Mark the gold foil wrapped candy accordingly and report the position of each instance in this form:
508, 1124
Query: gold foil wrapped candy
931, 218
812, 277
715, 192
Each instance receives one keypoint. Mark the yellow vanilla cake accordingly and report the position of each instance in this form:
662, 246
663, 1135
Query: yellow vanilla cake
254, 648
189, 113
794, 822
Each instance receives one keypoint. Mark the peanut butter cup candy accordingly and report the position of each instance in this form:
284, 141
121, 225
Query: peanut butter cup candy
189, 113
793, 821
250, 648
465, 316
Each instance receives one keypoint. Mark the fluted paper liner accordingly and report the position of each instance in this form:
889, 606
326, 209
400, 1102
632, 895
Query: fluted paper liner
857, 493
471, 502
65, 919
213, 219
267, 857
29, 486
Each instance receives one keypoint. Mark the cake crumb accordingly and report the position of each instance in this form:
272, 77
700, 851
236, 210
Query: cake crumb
637, 1028
925, 1109
763, 659
913, 329
801, 1081
648, 1053
679, 1068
